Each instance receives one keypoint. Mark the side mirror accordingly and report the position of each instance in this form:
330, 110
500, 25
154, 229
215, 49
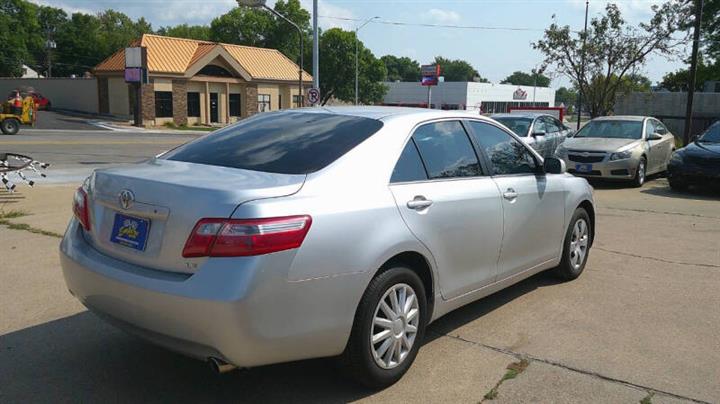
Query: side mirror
654, 136
553, 165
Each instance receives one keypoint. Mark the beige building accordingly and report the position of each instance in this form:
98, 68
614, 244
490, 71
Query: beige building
200, 82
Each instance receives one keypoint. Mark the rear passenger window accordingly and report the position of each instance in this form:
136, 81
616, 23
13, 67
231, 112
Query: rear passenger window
409, 166
446, 150
507, 155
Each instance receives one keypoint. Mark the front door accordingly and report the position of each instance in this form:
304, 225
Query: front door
450, 206
533, 202
214, 107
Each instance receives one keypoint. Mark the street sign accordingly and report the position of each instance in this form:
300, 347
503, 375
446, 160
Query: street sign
314, 95
430, 74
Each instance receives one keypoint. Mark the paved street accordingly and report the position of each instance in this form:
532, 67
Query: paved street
643, 320
74, 152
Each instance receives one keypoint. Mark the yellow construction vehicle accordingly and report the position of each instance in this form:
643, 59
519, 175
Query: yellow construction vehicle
13, 114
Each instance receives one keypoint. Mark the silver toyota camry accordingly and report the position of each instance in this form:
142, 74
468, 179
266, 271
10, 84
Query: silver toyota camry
619, 148
321, 232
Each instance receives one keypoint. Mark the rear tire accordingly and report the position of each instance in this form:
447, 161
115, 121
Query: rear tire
640, 173
10, 126
576, 248
377, 365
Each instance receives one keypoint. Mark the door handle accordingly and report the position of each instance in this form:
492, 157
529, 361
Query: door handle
419, 203
510, 194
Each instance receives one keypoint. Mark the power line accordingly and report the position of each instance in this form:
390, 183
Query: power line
428, 25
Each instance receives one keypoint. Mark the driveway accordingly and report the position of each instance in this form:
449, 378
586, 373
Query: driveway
61, 121
643, 322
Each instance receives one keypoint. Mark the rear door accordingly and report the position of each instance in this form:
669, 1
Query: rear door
450, 205
665, 146
533, 202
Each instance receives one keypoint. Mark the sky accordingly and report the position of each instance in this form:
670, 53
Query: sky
494, 51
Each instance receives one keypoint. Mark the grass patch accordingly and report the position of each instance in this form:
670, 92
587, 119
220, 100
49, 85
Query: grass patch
513, 370
647, 399
14, 214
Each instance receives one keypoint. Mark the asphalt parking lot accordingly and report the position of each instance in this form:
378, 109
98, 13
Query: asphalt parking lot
642, 322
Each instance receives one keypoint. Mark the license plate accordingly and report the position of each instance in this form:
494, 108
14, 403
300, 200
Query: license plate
583, 168
130, 231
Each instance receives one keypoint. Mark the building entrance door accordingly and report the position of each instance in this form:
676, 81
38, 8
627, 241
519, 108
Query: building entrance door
214, 107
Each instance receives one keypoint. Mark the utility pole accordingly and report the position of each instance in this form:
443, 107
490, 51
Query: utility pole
49, 46
582, 69
316, 48
693, 71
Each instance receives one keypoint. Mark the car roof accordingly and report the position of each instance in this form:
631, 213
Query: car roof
382, 113
621, 118
519, 115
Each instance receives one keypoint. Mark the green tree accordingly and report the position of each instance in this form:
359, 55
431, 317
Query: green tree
20, 36
678, 80
401, 68
337, 69
612, 50
242, 26
567, 96
519, 78
458, 70
199, 32
284, 37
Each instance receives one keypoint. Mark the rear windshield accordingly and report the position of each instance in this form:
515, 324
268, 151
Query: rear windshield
287, 142
612, 129
520, 126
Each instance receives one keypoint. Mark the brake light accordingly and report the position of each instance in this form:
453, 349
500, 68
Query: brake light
246, 237
81, 209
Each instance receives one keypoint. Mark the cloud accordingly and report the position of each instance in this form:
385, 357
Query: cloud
632, 10
439, 16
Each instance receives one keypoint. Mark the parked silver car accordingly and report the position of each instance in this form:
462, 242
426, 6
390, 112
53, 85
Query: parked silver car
321, 232
620, 148
541, 131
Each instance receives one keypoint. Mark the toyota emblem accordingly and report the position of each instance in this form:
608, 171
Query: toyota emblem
126, 198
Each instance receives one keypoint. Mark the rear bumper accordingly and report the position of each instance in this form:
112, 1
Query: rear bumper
246, 313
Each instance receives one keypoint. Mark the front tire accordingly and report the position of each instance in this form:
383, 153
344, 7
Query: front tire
10, 126
640, 173
388, 329
576, 248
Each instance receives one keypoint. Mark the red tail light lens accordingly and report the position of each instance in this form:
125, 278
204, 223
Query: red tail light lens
81, 208
246, 237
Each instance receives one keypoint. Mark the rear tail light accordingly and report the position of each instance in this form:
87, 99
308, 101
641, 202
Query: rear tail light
81, 209
246, 237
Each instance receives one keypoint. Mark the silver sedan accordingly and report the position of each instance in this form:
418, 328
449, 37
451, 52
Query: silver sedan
619, 148
321, 232
542, 132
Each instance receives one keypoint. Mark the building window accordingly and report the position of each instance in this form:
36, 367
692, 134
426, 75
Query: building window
295, 101
264, 102
193, 104
279, 101
234, 100
163, 104
212, 70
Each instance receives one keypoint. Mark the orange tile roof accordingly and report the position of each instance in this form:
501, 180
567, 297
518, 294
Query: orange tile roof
176, 55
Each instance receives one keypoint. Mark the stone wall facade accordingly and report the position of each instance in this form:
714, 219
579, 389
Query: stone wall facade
251, 103
179, 90
148, 103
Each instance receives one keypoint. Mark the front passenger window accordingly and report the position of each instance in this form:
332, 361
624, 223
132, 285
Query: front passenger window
507, 155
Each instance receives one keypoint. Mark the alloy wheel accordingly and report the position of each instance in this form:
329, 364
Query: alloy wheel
395, 326
641, 172
579, 244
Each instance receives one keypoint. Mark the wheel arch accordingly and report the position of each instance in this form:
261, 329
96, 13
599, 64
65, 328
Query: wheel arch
420, 265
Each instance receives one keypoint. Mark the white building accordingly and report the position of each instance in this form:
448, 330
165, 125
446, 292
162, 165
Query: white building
484, 97
29, 73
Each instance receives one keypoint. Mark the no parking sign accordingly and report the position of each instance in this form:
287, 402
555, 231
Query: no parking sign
314, 96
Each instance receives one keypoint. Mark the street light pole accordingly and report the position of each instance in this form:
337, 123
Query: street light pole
582, 69
261, 3
356, 55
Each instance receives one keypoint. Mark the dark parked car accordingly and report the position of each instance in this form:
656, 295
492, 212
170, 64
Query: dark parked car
697, 163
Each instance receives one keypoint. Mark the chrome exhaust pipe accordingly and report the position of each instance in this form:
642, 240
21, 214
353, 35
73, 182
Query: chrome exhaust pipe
219, 366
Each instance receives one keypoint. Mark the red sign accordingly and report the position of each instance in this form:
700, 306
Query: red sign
430, 74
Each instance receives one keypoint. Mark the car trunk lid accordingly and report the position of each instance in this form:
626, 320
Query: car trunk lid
143, 214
